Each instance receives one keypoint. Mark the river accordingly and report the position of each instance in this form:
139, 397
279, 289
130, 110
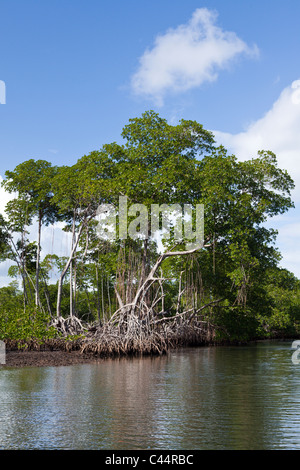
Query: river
245, 397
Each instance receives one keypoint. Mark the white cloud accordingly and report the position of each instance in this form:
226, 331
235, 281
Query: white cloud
54, 239
187, 56
278, 131
4, 197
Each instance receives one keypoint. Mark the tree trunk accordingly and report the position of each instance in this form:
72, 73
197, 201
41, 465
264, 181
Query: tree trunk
98, 295
71, 271
19, 260
149, 280
47, 296
37, 298
64, 272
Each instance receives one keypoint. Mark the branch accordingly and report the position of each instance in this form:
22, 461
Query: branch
195, 312
121, 305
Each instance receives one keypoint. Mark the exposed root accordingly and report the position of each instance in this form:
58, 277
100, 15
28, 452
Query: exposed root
130, 337
69, 326
135, 337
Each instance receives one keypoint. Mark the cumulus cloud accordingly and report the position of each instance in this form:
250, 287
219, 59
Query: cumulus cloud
54, 240
278, 131
4, 197
187, 56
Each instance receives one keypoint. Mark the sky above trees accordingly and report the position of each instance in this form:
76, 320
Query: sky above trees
76, 71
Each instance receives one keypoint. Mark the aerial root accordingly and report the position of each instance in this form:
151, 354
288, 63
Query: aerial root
135, 337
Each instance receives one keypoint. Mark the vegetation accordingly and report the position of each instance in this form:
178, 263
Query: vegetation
128, 295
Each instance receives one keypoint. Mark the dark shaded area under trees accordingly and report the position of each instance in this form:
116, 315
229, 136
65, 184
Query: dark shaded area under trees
124, 296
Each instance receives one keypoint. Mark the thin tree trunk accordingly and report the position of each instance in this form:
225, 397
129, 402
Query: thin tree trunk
22, 261
19, 260
88, 301
71, 289
108, 294
98, 295
47, 296
62, 276
180, 292
38, 260
102, 297
71, 270
75, 285
150, 278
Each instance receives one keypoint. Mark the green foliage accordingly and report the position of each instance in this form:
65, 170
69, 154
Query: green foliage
158, 163
234, 324
279, 314
17, 323
24, 325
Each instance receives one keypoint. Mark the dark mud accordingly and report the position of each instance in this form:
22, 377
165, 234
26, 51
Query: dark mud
47, 358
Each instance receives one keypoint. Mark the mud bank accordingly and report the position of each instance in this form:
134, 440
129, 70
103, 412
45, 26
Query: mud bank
47, 358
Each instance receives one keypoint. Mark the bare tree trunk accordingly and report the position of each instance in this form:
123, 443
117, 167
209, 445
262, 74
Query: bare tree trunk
47, 297
88, 301
62, 276
20, 262
75, 285
71, 289
37, 298
108, 295
180, 292
71, 270
150, 278
102, 298
98, 295
138, 302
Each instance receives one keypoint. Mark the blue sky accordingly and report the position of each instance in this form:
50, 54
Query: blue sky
75, 71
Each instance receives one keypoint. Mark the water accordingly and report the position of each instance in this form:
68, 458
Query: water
206, 398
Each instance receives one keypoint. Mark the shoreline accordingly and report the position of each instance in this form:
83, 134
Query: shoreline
18, 358
46, 358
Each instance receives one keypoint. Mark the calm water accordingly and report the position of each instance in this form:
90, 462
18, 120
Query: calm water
209, 398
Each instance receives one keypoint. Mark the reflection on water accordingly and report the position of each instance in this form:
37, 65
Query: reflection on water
206, 398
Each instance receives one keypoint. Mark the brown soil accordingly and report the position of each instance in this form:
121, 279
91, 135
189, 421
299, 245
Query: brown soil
46, 358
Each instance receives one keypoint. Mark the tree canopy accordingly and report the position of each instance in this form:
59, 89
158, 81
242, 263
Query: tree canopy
234, 281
